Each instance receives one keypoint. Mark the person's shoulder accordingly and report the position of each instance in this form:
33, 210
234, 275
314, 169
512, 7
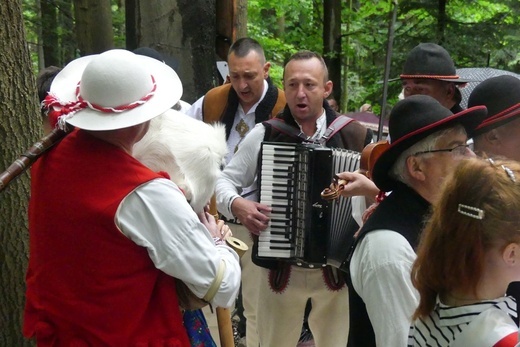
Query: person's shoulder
354, 125
218, 91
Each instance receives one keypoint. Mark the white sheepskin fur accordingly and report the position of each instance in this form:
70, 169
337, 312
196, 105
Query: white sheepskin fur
190, 151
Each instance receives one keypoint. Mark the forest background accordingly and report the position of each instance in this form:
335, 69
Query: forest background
353, 36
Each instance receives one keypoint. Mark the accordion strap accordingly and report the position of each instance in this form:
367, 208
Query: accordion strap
334, 127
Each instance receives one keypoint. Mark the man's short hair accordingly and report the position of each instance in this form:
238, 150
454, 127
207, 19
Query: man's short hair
399, 172
244, 46
44, 80
306, 55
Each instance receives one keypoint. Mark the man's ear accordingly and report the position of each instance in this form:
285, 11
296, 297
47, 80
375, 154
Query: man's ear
492, 137
267, 66
415, 169
450, 92
328, 89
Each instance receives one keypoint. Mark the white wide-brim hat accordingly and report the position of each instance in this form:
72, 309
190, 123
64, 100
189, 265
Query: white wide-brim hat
113, 90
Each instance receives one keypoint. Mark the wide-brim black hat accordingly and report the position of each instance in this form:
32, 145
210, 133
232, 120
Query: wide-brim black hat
430, 61
412, 120
501, 96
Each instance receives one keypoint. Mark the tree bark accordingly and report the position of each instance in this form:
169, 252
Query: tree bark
231, 16
332, 43
50, 40
241, 19
68, 38
19, 125
131, 28
94, 30
184, 32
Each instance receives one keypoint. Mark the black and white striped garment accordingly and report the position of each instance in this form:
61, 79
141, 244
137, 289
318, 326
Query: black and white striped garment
446, 323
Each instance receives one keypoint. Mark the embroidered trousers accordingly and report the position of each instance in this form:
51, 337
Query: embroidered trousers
250, 281
280, 315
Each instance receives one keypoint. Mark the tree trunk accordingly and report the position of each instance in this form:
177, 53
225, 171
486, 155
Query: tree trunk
231, 16
19, 124
184, 32
241, 19
94, 26
68, 38
332, 43
131, 28
50, 40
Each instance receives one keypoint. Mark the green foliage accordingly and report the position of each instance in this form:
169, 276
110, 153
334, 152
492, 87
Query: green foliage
118, 22
476, 33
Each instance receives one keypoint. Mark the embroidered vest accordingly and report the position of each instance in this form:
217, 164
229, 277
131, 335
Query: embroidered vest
221, 103
88, 284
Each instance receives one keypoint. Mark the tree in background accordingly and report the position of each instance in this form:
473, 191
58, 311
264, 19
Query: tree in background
479, 33
184, 32
19, 128
94, 30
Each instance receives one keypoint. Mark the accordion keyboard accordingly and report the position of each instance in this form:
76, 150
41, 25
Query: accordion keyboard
277, 182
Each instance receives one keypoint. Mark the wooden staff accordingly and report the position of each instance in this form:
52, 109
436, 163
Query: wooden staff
30, 156
225, 326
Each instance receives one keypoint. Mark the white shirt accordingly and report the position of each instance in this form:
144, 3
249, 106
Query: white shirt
157, 217
380, 270
481, 324
234, 139
242, 169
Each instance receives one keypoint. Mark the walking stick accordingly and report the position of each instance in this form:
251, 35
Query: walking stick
225, 326
25, 161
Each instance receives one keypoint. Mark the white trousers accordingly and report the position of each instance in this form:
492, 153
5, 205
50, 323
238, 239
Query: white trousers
280, 315
250, 281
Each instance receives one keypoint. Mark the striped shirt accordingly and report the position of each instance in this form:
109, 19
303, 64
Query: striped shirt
449, 326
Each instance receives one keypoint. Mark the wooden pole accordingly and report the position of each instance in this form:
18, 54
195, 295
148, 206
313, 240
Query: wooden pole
225, 326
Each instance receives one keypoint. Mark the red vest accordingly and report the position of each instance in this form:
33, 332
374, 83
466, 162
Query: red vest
87, 284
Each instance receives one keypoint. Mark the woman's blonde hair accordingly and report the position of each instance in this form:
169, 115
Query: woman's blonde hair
479, 208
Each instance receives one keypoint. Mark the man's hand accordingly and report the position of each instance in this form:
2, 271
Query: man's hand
253, 215
357, 185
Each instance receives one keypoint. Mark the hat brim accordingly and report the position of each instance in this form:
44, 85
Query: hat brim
455, 80
469, 119
167, 94
499, 119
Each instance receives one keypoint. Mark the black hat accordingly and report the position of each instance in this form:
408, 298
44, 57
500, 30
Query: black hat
152, 53
412, 120
430, 61
501, 96
149, 52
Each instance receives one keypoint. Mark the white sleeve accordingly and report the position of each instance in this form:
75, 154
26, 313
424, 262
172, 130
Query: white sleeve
157, 217
240, 172
380, 271
195, 111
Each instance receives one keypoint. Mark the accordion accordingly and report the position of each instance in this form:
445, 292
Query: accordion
303, 227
